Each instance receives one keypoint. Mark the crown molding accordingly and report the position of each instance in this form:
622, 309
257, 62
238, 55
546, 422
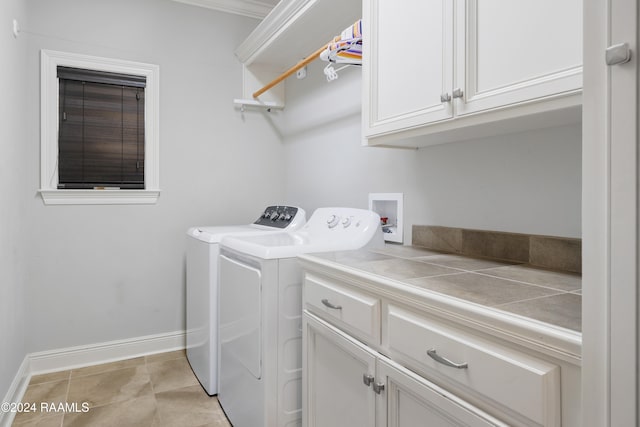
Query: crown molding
249, 8
283, 15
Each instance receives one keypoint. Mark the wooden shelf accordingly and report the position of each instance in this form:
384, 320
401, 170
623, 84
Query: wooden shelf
292, 30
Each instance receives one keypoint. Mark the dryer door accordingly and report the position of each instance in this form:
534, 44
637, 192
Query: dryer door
240, 314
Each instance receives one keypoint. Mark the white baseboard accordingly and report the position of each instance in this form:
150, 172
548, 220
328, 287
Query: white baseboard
86, 355
111, 351
16, 391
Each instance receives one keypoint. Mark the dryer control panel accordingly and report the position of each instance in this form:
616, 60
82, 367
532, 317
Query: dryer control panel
279, 216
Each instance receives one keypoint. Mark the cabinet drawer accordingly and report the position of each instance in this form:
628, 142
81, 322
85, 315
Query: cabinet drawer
351, 310
526, 385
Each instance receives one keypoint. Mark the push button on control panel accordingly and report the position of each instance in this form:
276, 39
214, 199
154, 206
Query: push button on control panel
277, 216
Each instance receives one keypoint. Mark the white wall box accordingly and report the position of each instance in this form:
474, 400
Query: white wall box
460, 69
389, 206
366, 361
289, 33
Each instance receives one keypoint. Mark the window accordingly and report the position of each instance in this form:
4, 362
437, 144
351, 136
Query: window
99, 137
100, 130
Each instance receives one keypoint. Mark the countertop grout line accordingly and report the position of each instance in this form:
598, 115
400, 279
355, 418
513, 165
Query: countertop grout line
528, 299
529, 283
427, 277
480, 273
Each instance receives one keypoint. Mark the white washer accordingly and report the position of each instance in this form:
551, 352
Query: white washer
202, 285
260, 327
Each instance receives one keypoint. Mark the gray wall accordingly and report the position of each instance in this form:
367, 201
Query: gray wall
524, 182
13, 125
101, 273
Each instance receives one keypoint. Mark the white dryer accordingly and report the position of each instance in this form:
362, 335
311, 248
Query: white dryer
202, 285
260, 327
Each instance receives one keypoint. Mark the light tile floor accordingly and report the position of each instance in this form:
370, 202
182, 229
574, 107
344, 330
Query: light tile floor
157, 391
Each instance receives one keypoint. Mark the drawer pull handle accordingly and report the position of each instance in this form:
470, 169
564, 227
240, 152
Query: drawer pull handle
435, 356
328, 304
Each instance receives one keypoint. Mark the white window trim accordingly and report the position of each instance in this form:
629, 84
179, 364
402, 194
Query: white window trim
49, 89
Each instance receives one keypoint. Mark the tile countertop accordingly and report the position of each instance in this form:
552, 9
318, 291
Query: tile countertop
551, 297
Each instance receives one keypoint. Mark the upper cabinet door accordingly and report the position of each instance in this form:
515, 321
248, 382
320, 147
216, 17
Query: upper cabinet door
509, 52
408, 63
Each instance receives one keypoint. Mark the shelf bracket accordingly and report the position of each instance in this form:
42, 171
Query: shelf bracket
267, 105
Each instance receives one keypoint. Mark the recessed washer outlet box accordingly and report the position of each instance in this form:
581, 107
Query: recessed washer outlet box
389, 207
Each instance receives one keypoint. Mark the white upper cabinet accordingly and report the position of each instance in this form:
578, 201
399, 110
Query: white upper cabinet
410, 63
445, 70
512, 52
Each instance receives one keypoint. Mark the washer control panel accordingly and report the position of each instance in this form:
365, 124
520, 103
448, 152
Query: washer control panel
278, 216
332, 221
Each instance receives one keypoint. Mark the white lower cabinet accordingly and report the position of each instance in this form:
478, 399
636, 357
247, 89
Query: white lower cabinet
372, 357
409, 400
345, 383
334, 366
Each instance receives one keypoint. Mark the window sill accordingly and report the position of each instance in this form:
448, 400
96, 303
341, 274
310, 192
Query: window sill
99, 197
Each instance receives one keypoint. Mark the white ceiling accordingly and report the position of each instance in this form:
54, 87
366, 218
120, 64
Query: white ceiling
251, 8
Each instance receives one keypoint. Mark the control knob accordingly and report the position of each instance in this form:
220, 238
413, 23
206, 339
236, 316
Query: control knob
346, 222
274, 216
282, 216
333, 221
287, 217
265, 214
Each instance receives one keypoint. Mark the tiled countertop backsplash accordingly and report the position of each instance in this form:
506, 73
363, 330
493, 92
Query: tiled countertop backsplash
557, 253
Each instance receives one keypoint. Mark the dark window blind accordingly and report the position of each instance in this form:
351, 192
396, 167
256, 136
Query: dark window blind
101, 130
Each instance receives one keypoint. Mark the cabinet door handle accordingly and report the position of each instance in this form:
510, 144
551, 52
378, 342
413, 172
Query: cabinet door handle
458, 93
367, 379
618, 54
328, 304
435, 356
378, 388
445, 97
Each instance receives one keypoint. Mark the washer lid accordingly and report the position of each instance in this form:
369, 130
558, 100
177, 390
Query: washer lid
213, 234
274, 219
